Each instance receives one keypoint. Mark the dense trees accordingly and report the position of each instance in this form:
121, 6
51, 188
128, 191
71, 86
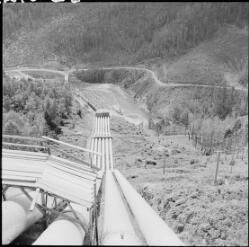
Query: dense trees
29, 16
120, 32
34, 107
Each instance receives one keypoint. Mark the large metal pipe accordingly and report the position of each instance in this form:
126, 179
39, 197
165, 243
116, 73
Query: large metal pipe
95, 149
108, 125
14, 221
107, 132
16, 217
111, 155
64, 231
103, 152
95, 126
105, 126
101, 130
107, 152
100, 151
92, 149
117, 226
153, 228
98, 126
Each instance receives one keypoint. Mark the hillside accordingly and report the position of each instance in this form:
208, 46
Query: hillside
174, 78
189, 37
222, 60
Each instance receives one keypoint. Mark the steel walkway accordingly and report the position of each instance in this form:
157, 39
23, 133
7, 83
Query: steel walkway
47, 176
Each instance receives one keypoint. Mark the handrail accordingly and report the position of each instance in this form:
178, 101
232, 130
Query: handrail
23, 145
70, 145
79, 160
23, 137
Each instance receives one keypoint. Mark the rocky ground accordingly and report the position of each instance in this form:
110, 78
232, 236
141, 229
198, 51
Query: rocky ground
178, 182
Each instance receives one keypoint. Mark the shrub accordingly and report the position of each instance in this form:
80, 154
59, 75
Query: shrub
25, 105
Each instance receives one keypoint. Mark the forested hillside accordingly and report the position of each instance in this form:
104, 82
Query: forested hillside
34, 107
114, 33
201, 43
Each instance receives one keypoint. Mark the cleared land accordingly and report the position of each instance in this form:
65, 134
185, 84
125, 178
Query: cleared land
183, 193
185, 196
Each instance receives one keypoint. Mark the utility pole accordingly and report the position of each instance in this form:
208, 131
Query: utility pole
217, 167
164, 165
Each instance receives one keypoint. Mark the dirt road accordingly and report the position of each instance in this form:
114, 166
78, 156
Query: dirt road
151, 73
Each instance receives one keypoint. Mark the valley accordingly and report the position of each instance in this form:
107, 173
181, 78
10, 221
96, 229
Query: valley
174, 79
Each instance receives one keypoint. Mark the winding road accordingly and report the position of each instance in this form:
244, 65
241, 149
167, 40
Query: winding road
151, 73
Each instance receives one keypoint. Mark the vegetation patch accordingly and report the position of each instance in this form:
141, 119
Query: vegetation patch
35, 108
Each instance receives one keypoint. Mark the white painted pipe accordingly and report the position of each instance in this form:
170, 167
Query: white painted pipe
95, 126
16, 217
62, 232
153, 228
100, 151
109, 130
95, 149
107, 152
14, 221
103, 152
92, 149
102, 123
99, 119
103, 134
117, 226
105, 126
98, 126
111, 155
101, 130
108, 125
